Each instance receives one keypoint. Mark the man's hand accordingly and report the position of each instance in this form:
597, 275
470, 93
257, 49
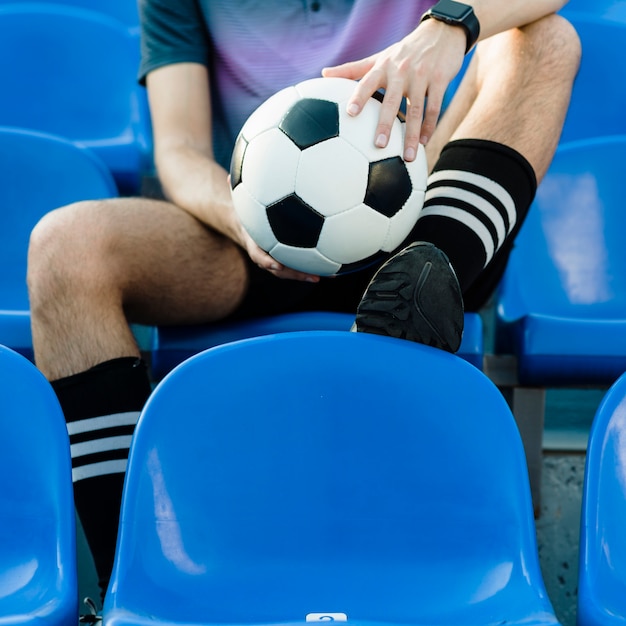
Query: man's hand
420, 68
265, 261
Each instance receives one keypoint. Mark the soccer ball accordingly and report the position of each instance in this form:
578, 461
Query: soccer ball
312, 189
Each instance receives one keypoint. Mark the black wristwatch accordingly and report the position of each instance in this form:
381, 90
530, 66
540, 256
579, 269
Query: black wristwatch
456, 14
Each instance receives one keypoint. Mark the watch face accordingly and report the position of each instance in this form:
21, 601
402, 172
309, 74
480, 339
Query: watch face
451, 9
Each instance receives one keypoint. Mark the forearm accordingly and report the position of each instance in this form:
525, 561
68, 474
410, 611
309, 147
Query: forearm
193, 181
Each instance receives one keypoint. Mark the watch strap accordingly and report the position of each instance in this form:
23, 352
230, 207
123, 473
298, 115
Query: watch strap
469, 21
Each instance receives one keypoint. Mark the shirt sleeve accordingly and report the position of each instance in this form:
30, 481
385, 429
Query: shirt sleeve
172, 31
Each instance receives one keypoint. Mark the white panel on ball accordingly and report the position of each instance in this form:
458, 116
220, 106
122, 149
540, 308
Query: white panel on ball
332, 176
418, 169
270, 166
338, 241
269, 114
401, 223
309, 260
332, 89
360, 131
253, 217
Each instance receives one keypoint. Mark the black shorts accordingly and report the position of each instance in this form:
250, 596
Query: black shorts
268, 295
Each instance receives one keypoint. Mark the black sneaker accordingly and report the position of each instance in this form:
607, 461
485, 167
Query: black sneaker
415, 295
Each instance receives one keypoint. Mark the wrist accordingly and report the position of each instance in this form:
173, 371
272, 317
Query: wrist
456, 14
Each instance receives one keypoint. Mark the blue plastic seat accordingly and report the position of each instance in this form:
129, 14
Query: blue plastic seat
561, 308
284, 478
38, 173
173, 344
38, 582
125, 11
607, 9
600, 84
602, 565
73, 72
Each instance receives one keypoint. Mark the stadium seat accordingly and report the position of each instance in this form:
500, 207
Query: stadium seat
561, 308
600, 85
614, 10
602, 565
73, 73
125, 11
321, 475
173, 344
38, 581
38, 173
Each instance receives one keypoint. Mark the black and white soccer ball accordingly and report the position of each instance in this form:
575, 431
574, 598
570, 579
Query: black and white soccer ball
312, 189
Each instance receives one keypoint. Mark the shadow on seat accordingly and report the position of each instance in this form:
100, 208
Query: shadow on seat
38, 582
290, 477
38, 173
602, 564
171, 345
79, 81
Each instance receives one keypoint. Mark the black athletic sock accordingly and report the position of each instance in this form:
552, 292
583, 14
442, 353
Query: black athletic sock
101, 407
477, 198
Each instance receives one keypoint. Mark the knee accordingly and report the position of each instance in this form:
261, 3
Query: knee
542, 52
553, 45
62, 251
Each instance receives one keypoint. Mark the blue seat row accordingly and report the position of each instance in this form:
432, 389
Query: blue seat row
327, 486
597, 159
78, 81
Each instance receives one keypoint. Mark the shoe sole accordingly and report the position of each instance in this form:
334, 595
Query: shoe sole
415, 295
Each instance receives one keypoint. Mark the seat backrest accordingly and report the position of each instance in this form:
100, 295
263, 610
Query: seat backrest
599, 86
38, 173
326, 472
78, 81
602, 564
38, 582
126, 11
614, 10
569, 257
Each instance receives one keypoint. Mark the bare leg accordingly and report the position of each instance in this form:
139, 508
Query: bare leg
516, 91
96, 266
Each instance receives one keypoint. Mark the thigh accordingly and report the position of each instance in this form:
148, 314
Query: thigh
159, 262
187, 272
173, 270
176, 271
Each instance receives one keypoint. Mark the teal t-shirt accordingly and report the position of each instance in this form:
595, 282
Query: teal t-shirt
254, 48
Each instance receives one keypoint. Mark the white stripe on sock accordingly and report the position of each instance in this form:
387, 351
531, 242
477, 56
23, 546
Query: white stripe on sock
482, 182
117, 466
469, 220
105, 444
129, 418
473, 199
